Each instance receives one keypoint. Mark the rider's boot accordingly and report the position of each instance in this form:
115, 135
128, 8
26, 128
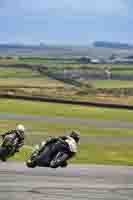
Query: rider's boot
64, 164
4, 159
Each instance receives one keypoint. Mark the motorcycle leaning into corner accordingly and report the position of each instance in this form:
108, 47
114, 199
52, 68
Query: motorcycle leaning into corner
53, 154
8, 147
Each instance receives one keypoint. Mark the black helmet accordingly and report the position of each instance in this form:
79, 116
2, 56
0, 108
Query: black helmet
75, 135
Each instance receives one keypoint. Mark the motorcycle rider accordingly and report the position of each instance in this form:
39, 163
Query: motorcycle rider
71, 141
19, 131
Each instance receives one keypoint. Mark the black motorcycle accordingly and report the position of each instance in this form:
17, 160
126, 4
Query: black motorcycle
53, 155
8, 147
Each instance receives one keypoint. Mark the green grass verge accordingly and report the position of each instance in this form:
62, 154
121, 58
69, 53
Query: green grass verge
62, 110
17, 73
114, 154
106, 153
46, 128
23, 154
124, 72
111, 84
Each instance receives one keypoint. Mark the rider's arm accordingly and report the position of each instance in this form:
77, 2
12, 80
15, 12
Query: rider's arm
19, 145
7, 133
63, 137
54, 139
21, 141
51, 140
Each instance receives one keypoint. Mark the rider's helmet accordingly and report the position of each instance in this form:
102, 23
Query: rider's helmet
20, 128
75, 135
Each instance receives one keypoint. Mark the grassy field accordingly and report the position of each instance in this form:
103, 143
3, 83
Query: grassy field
43, 128
15, 75
47, 82
111, 84
106, 153
28, 82
65, 63
18, 73
89, 152
60, 110
31, 82
72, 64
51, 109
124, 72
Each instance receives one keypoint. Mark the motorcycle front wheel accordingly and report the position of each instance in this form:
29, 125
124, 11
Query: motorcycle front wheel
30, 164
3, 153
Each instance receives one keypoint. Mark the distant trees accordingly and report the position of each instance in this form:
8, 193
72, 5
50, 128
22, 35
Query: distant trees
112, 45
84, 60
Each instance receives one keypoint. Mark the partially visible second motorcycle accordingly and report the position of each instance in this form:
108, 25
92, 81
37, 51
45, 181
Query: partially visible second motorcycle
8, 147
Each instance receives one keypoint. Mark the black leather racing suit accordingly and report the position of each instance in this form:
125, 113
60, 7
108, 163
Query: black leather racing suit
53, 140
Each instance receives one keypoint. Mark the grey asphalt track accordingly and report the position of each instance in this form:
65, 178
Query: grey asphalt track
94, 182
67, 120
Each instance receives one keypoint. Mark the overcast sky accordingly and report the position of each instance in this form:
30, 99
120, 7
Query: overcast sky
65, 21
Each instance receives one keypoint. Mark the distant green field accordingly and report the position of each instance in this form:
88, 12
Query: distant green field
15, 81
124, 72
111, 84
69, 61
66, 62
47, 61
31, 82
13, 75
18, 73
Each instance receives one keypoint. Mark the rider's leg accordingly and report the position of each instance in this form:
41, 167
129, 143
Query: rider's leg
43, 160
64, 164
59, 161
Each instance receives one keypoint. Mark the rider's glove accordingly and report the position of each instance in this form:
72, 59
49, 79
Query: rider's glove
51, 139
